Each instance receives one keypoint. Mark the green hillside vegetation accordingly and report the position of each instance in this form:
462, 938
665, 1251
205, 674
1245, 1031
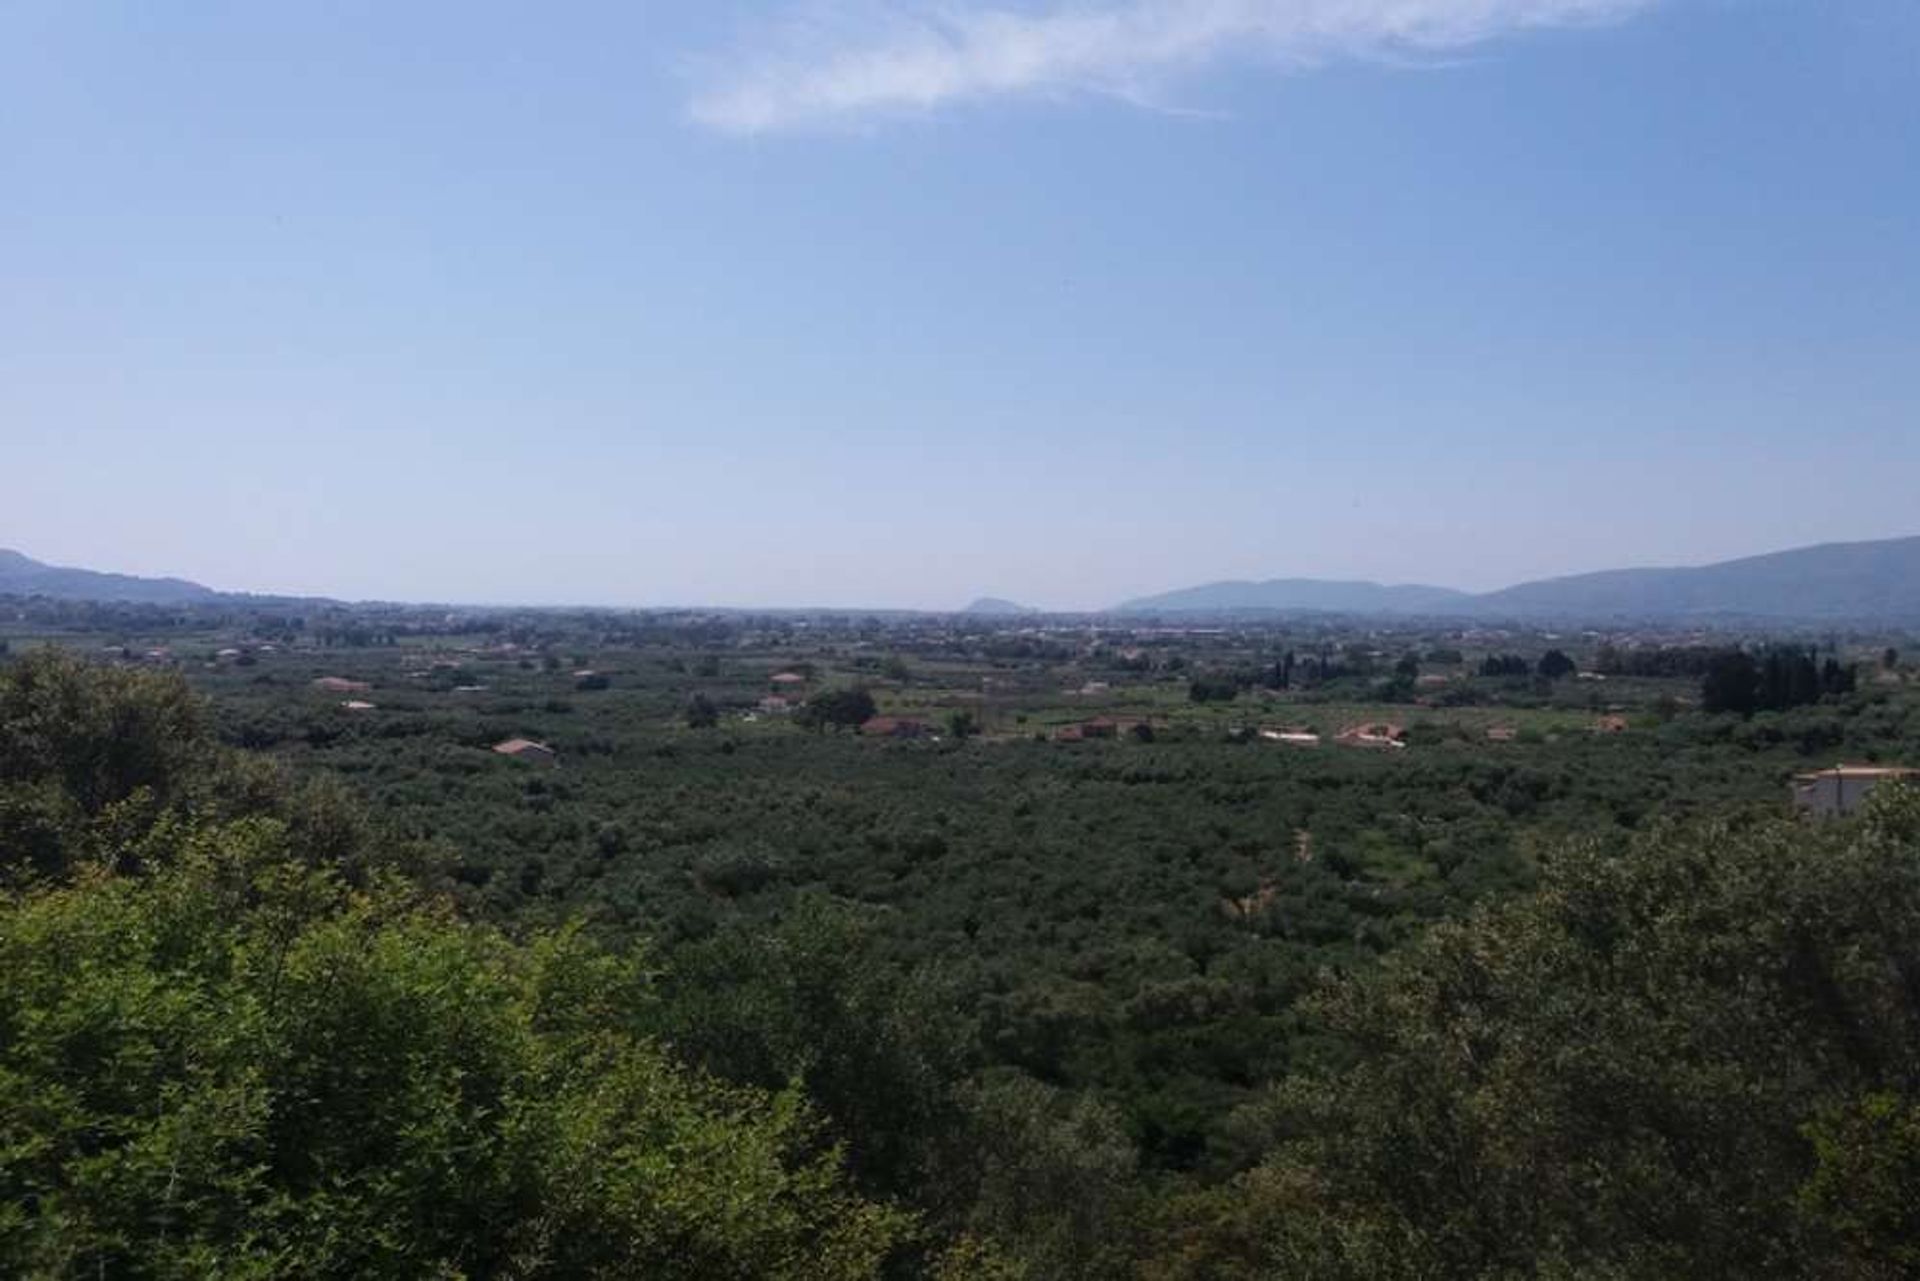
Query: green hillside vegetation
1695, 1057
228, 1050
300, 989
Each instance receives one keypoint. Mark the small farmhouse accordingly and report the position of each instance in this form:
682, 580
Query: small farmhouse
1098, 727
1840, 790
525, 749
1379, 735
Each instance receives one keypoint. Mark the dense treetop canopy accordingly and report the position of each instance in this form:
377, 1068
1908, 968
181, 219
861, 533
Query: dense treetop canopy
295, 987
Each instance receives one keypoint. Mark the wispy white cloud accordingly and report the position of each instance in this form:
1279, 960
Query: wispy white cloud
837, 64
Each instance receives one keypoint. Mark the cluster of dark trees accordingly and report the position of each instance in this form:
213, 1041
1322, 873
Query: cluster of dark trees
839, 708
1778, 678
1553, 665
1214, 687
1324, 666
1505, 665
1689, 661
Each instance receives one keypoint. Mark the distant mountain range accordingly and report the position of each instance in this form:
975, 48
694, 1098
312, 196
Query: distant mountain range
1865, 582
1835, 582
1877, 580
23, 576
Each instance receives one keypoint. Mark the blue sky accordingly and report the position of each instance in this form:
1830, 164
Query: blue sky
896, 304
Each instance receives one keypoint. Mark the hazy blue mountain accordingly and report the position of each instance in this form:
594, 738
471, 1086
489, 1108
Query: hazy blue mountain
1302, 594
23, 576
1866, 582
995, 605
1862, 581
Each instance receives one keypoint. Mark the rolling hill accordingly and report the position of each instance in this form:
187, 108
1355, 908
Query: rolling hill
21, 575
1868, 581
995, 605
1862, 582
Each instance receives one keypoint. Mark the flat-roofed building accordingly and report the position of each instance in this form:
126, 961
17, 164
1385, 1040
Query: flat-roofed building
525, 749
1840, 790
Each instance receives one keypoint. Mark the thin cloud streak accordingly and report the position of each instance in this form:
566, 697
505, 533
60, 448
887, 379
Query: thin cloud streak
842, 66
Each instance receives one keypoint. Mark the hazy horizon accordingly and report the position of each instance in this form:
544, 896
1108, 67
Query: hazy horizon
854, 604
757, 303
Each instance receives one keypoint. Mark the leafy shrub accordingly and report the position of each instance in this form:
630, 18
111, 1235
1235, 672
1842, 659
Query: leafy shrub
237, 1066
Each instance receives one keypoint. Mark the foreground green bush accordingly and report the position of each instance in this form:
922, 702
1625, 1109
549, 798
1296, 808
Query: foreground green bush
237, 1066
1699, 1058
